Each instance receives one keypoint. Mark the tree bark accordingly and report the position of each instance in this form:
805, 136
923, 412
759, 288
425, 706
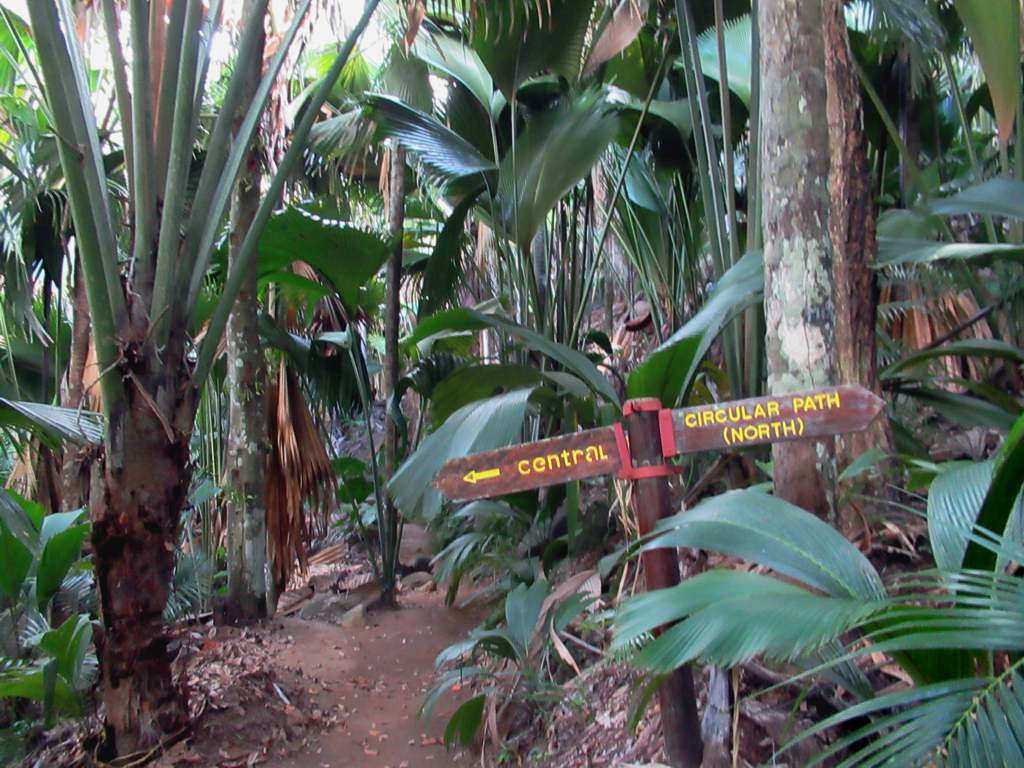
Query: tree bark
798, 256
139, 489
392, 369
852, 230
247, 446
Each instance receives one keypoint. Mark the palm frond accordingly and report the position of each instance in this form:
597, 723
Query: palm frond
771, 532
446, 158
967, 722
52, 422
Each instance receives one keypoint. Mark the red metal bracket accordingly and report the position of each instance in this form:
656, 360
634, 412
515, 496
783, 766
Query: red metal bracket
666, 431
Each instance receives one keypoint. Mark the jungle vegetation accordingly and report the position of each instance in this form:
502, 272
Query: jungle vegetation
235, 234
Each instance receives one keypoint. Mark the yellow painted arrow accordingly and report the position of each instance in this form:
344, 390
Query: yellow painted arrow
473, 476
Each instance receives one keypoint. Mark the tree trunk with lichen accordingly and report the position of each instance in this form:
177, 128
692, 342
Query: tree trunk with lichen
798, 257
245, 458
852, 229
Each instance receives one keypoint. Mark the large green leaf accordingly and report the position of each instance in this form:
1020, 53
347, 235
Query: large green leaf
16, 559
668, 372
31, 683
522, 610
644, 613
444, 157
1004, 494
737, 55
915, 20
894, 250
407, 79
517, 40
61, 550
17, 519
995, 197
557, 149
461, 320
457, 60
994, 28
478, 382
51, 422
479, 426
922, 721
962, 409
771, 532
968, 348
442, 277
954, 500
68, 645
344, 254
465, 722
738, 627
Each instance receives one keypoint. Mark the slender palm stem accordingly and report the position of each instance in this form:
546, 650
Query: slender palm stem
247, 252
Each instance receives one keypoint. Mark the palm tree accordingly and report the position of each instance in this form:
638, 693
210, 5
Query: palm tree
142, 277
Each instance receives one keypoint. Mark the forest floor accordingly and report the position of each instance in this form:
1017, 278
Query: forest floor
334, 685
328, 684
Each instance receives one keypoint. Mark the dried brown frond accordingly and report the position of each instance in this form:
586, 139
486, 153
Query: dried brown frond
93, 397
298, 473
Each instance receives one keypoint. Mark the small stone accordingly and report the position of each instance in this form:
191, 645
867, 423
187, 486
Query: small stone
355, 617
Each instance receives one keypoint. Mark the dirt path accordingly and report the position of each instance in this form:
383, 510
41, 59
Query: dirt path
379, 674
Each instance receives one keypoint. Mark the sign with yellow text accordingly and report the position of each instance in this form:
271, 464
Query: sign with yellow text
720, 426
777, 419
531, 465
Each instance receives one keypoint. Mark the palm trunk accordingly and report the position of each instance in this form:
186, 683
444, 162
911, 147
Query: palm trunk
389, 533
246, 454
799, 288
852, 229
139, 489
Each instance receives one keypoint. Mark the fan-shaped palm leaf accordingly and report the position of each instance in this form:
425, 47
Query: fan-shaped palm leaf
518, 40
51, 422
771, 532
447, 159
557, 149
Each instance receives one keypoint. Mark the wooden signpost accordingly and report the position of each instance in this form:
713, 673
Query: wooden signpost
656, 434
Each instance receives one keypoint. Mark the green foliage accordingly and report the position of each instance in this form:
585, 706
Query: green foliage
345, 255
557, 149
737, 50
994, 29
513, 660
54, 666
445, 158
518, 40
444, 271
51, 423
669, 370
478, 426
461, 320
931, 623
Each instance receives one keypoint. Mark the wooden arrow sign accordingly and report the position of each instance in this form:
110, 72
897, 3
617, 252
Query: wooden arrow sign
531, 465
733, 425
776, 419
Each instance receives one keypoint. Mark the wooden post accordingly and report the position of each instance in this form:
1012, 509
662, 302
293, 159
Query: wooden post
652, 502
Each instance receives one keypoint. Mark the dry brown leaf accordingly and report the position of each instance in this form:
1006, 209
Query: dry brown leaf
415, 13
561, 649
626, 23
